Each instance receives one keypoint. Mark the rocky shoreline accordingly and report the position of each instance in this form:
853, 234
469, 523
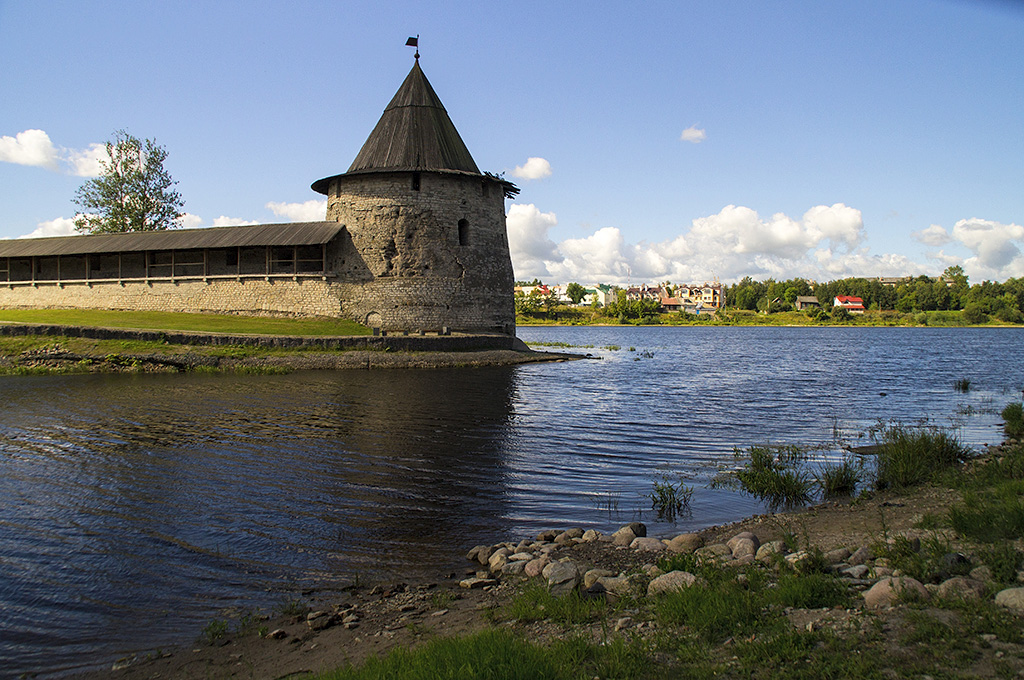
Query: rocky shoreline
853, 541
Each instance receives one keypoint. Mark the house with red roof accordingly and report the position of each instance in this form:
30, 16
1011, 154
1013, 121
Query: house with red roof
852, 304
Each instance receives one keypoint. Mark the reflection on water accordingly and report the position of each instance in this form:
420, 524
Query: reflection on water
133, 509
135, 505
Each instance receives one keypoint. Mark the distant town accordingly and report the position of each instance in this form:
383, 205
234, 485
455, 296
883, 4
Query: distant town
949, 299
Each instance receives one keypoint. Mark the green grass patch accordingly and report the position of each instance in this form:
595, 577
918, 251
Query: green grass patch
1004, 559
535, 603
812, 591
799, 655
1013, 419
717, 611
173, 321
993, 515
928, 563
500, 655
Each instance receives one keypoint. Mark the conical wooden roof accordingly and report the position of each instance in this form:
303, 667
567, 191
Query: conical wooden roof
414, 133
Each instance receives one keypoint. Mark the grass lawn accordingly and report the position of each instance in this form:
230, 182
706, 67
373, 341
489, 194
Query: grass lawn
171, 321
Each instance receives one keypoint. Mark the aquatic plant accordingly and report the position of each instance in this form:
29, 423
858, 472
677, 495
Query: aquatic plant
839, 479
775, 474
912, 455
670, 499
962, 385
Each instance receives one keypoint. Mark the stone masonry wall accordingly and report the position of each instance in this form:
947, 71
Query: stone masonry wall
304, 297
425, 257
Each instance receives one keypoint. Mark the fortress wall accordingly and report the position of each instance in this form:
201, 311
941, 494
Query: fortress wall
304, 297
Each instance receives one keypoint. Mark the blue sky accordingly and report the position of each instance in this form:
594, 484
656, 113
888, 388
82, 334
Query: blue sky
672, 141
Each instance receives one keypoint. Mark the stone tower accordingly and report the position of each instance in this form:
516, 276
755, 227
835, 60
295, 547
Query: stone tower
428, 245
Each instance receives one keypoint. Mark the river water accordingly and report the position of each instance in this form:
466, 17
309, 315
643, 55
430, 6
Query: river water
136, 508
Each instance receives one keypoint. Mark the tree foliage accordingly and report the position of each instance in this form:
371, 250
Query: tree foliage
133, 193
575, 292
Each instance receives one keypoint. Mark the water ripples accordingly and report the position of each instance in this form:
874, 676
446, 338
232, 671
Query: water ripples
133, 509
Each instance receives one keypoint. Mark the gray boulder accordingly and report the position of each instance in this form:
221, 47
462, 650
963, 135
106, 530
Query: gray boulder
767, 550
670, 582
744, 543
714, 551
534, 568
861, 555
562, 577
591, 577
647, 544
837, 556
889, 590
685, 543
962, 588
744, 547
1011, 598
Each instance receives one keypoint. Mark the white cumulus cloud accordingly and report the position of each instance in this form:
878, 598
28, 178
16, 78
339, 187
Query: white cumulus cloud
86, 162
190, 221
310, 211
528, 239
534, 168
224, 221
31, 147
934, 235
822, 244
61, 226
34, 147
995, 248
694, 135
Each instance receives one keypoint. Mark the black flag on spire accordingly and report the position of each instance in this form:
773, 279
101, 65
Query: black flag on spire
414, 42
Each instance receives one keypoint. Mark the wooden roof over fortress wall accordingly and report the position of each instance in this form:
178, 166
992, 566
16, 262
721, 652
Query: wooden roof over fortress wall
287, 234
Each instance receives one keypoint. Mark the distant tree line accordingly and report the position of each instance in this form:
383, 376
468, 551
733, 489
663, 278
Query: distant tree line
951, 291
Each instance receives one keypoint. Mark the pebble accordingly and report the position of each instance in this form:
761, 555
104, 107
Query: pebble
477, 582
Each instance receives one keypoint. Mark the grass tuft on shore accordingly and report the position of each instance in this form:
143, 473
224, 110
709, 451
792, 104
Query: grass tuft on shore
535, 603
500, 655
1013, 417
908, 456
